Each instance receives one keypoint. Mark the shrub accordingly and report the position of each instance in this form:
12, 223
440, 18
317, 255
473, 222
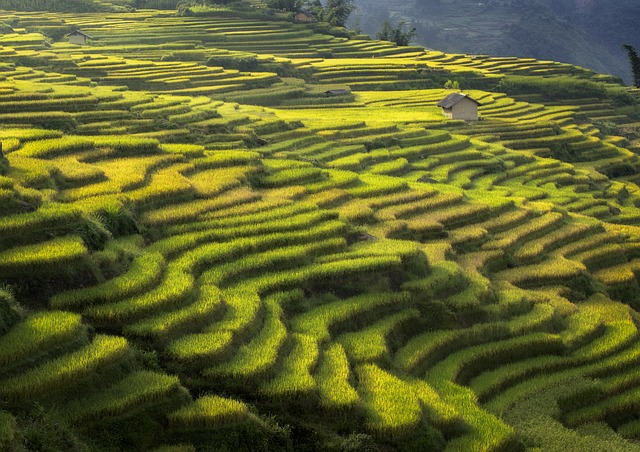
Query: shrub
552, 87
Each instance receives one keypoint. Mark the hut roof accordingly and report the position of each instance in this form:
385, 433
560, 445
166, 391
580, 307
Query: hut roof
81, 33
454, 98
337, 92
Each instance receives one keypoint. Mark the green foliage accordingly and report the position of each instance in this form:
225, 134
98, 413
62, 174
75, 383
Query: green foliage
337, 12
398, 34
285, 5
77, 6
634, 62
552, 88
244, 63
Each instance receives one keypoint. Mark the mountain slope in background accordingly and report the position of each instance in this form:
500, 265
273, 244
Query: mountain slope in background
587, 33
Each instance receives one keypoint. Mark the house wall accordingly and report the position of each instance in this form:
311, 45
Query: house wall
77, 39
466, 110
448, 112
303, 18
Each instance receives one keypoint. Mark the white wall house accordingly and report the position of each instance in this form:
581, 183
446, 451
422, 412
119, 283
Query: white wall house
460, 106
78, 37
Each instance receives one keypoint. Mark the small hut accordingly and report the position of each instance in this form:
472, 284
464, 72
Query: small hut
78, 37
460, 106
304, 16
337, 92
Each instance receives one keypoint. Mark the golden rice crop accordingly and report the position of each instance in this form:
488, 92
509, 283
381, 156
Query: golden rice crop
295, 375
269, 260
333, 379
200, 346
49, 215
136, 390
208, 301
244, 214
391, 404
370, 344
215, 181
183, 212
144, 271
39, 332
519, 233
485, 431
55, 252
317, 321
56, 146
175, 285
209, 411
261, 352
66, 370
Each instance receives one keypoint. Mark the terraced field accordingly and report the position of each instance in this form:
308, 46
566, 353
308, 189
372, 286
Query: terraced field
200, 250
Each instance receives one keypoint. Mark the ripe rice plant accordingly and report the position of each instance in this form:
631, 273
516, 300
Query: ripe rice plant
165, 186
56, 147
391, 167
243, 309
630, 429
332, 377
145, 270
194, 347
391, 404
533, 227
183, 212
208, 301
485, 430
370, 344
221, 159
138, 389
619, 274
67, 370
270, 260
552, 270
243, 214
169, 292
317, 321
209, 183
614, 407
460, 366
39, 332
261, 353
535, 248
41, 256
417, 207
377, 185
48, 216
209, 411
294, 378
430, 347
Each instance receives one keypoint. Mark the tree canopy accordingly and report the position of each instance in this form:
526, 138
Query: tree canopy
398, 34
634, 61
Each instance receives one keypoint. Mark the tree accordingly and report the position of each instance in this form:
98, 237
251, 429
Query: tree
285, 5
452, 84
397, 35
634, 61
337, 12
315, 6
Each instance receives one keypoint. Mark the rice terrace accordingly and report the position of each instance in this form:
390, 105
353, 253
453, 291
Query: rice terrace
222, 230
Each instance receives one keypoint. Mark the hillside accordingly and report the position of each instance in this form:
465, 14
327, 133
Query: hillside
585, 33
202, 250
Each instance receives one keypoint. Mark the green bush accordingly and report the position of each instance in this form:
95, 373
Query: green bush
244, 63
552, 88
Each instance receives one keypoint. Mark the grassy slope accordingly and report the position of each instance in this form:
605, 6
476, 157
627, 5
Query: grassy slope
197, 248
